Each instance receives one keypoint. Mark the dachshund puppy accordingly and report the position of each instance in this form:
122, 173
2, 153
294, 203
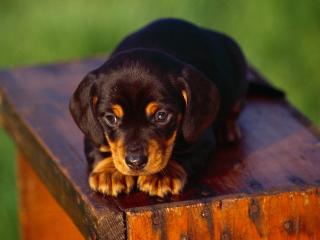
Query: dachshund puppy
152, 113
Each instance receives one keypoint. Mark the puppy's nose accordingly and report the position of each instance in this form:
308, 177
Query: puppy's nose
135, 161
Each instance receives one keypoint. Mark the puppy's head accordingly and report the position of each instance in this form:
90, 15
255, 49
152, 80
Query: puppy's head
138, 102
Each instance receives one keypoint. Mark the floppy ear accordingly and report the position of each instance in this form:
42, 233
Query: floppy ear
82, 105
202, 102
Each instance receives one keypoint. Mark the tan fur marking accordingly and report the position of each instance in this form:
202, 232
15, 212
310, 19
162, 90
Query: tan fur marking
105, 178
172, 179
117, 110
151, 108
104, 148
185, 96
118, 155
171, 140
94, 101
158, 159
155, 158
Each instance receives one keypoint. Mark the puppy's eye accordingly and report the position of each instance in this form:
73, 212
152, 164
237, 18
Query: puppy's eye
162, 117
111, 119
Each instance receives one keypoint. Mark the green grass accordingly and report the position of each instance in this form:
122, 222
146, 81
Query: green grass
8, 195
281, 38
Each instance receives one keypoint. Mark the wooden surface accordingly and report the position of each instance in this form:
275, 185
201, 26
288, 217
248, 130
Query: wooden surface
292, 215
40, 215
277, 158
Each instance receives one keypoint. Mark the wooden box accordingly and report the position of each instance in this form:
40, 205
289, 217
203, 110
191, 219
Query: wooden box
265, 187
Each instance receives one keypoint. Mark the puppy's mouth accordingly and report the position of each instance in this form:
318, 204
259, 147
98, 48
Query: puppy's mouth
153, 161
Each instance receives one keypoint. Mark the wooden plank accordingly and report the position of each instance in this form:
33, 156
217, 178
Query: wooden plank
40, 215
59, 166
280, 150
287, 215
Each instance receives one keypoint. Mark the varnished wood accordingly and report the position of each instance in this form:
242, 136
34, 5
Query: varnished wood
40, 215
55, 150
289, 215
279, 153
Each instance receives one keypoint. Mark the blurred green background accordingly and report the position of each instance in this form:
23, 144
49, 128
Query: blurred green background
281, 38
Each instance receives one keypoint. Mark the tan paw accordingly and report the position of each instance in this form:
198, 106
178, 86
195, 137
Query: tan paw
171, 180
106, 179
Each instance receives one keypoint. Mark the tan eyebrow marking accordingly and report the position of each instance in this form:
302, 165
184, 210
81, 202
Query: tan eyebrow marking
117, 110
151, 108
104, 148
184, 94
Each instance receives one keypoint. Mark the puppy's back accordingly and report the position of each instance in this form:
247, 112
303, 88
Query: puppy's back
215, 54
178, 38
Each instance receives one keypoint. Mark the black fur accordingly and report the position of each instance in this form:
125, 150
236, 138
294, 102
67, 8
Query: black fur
157, 63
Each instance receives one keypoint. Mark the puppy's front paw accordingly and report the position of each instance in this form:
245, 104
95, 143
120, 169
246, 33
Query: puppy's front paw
105, 178
171, 180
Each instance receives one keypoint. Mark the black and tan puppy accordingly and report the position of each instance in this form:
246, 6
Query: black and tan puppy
152, 111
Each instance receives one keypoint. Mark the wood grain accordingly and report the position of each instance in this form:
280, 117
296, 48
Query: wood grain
289, 215
37, 118
279, 152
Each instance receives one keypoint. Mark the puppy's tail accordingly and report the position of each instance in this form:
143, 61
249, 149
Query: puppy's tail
258, 86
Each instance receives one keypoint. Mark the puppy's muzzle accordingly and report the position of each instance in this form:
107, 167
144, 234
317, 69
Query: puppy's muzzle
135, 158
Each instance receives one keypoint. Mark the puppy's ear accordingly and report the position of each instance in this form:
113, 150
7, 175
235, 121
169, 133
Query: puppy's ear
202, 102
82, 105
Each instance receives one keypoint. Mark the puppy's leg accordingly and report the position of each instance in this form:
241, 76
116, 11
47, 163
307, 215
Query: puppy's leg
170, 180
105, 178
229, 132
